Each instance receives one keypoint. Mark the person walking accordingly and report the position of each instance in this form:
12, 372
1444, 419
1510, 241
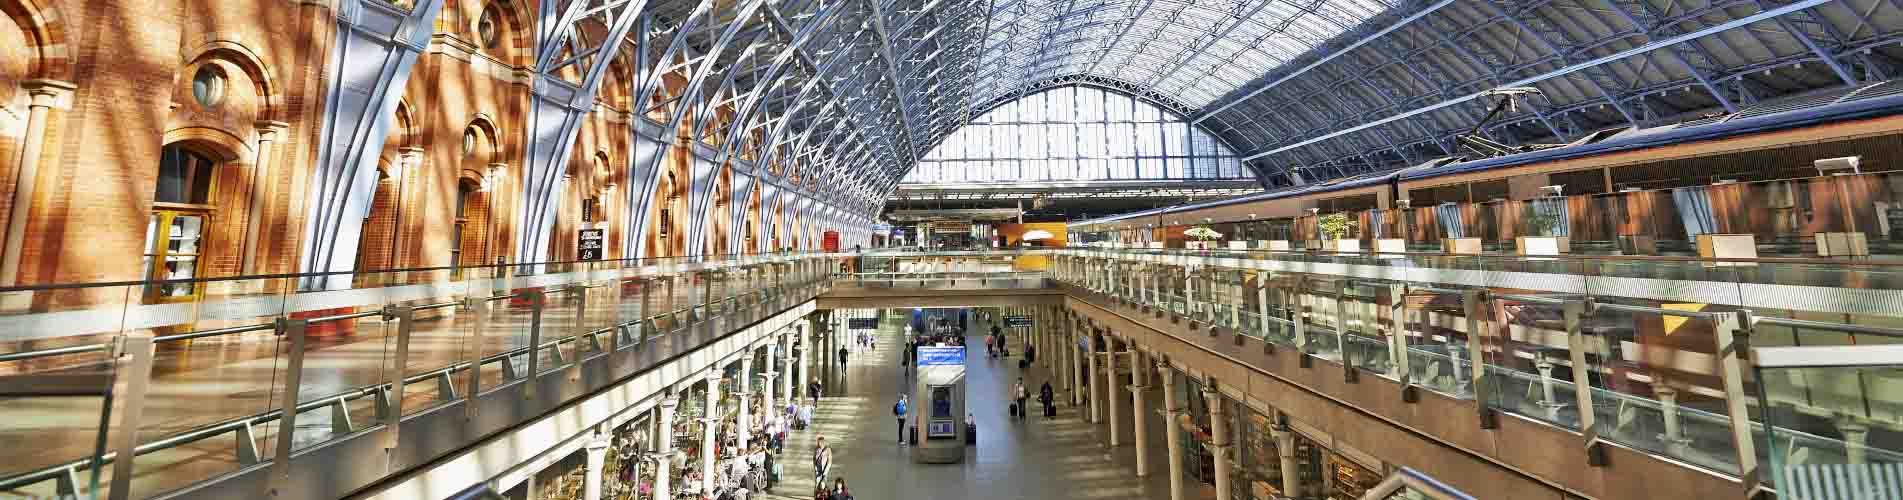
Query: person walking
812, 390
822, 461
989, 352
839, 490
842, 355
898, 411
1045, 395
1019, 394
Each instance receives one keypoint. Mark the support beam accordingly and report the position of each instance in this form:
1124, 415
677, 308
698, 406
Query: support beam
376, 45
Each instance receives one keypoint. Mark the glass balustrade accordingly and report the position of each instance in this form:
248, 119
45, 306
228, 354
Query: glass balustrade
242, 370
1653, 339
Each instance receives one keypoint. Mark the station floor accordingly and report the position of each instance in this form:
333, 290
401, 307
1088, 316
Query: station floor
1036, 458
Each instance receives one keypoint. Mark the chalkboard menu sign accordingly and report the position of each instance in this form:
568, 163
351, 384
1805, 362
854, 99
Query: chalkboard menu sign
590, 246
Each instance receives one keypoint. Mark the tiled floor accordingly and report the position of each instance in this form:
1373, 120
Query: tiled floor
1036, 458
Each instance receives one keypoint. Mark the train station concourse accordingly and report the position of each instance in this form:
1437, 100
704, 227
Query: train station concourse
951, 249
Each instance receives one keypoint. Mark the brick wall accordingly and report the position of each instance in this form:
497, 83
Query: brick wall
133, 61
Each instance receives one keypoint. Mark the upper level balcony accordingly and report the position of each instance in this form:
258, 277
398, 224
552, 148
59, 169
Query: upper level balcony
1648, 354
183, 388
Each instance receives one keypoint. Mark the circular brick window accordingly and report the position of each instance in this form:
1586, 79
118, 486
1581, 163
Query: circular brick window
488, 31
208, 86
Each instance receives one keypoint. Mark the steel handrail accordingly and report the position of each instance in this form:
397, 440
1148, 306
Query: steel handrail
1820, 325
1690, 416
1509, 256
81, 349
638, 261
234, 424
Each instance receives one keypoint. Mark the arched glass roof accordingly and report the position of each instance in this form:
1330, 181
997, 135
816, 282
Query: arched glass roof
850, 96
1192, 50
1077, 134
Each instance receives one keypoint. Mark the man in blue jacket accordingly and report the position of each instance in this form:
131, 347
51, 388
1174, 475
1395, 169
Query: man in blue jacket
898, 410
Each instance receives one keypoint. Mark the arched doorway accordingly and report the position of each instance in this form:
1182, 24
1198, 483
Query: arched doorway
175, 233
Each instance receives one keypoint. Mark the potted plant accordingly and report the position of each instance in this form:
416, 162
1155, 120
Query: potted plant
1336, 227
1541, 240
1203, 236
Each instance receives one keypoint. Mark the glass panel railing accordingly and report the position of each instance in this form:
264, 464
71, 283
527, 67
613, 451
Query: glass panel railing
1530, 363
1651, 376
1830, 416
281, 364
61, 360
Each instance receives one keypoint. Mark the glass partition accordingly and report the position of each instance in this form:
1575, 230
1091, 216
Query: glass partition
245, 369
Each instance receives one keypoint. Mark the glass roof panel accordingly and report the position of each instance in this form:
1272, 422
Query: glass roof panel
1194, 51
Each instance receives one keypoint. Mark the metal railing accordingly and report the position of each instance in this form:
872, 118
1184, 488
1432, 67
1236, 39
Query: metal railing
770, 281
1666, 377
1410, 484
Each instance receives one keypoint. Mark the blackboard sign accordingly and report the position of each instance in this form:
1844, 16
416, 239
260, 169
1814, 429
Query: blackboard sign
862, 323
590, 245
1017, 321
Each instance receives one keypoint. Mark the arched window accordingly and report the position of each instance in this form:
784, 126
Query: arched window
175, 233
1077, 133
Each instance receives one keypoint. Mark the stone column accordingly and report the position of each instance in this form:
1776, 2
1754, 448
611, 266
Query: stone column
1077, 354
1172, 430
1285, 451
767, 406
663, 468
1218, 439
1139, 371
591, 478
1096, 382
710, 421
805, 352
743, 422
1138, 418
268, 132
1856, 433
1110, 387
1668, 408
786, 372
45, 94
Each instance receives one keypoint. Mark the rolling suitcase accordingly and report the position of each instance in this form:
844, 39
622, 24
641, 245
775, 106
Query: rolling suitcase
1014, 409
1024, 363
971, 434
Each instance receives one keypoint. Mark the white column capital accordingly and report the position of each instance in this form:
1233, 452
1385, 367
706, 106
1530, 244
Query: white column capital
49, 93
268, 130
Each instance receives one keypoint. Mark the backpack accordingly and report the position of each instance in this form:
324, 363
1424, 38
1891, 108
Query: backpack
898, 409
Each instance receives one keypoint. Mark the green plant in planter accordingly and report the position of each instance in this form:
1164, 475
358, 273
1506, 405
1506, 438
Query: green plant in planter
1542, 224
1336, 225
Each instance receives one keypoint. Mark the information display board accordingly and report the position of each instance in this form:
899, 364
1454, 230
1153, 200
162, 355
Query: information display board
1017, 321
941, 356
862, 323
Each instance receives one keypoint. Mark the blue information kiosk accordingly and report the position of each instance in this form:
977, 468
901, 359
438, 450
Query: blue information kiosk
938, 402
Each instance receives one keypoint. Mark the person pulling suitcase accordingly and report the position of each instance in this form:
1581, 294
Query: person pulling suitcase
1045, 395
